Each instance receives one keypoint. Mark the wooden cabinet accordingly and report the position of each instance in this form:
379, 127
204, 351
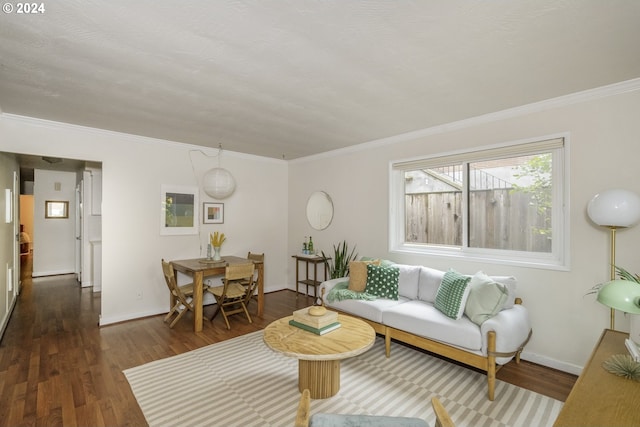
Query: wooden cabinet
600, 398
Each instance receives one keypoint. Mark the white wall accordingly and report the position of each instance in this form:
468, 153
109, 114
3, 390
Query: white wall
133, 169
54, 251
604, 151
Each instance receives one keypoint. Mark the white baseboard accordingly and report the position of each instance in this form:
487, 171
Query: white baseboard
552, 363
109, 320
51, 273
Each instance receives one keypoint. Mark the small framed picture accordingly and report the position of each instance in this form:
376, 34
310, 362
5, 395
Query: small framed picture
56, 209
213, 213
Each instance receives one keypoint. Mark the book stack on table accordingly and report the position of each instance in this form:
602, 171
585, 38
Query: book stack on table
319, 325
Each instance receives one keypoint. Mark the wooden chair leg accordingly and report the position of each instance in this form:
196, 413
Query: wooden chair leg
215, 313
226, 319
171, 312
244, 307
178, 317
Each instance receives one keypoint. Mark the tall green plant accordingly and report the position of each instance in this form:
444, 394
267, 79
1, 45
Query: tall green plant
339, 264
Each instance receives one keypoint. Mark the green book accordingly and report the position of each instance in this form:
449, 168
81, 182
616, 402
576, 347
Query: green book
317, 331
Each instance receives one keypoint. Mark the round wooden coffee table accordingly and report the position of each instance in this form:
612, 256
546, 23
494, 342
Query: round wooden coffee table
319, 355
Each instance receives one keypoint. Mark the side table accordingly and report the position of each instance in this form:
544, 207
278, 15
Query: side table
314, 260
319, 355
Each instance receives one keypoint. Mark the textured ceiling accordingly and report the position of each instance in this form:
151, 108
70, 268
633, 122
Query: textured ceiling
294, 78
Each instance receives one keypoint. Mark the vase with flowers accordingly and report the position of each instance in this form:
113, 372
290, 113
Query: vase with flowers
216, 240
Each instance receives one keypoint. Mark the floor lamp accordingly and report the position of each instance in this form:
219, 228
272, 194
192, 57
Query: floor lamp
614, 209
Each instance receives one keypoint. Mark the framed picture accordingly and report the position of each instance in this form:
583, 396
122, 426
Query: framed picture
213, 213
179, 210
56, 209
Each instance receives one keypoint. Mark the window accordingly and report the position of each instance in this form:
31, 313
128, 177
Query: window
503, 204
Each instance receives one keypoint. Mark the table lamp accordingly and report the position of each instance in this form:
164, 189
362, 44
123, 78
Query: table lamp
623, 295
614, 209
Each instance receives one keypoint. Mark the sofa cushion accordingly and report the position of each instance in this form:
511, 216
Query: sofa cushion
371, 310
382, 262
452, 294
358, 274
486, 298
429, 282
382, 281
423, 319
408, 280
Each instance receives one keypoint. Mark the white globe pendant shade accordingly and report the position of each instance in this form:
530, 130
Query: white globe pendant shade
615, 208
218, 183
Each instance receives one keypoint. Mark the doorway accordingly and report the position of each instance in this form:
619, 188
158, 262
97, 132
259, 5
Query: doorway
64, 244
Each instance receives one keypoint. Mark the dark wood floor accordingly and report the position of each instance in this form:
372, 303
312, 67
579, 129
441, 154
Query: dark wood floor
58, 368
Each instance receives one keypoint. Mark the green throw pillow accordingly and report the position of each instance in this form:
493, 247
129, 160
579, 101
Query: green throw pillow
486, 298
452, 294
382, 281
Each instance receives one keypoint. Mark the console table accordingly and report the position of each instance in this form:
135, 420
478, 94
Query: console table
315, 260
600, 398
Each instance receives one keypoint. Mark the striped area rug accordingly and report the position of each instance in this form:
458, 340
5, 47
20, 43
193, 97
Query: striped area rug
241, 382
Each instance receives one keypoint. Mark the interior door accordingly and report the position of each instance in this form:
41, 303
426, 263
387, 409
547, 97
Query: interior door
14, 281
79, 215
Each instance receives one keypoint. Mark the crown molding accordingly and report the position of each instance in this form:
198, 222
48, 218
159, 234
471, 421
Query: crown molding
536, 107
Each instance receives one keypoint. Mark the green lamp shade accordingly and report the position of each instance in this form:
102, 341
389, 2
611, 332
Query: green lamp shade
623, 295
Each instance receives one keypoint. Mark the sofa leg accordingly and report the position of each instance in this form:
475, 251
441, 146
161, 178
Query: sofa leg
491, 364
387, 342
491, 380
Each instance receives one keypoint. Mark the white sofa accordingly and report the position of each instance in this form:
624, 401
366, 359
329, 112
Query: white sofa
413, 319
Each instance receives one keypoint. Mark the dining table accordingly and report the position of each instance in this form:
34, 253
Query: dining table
199, 268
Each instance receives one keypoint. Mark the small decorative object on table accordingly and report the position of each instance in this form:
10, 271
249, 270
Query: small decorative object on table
216, 239
623, 365
317, 310
319, 324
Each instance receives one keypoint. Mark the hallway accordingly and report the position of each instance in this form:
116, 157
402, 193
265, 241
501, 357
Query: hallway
55, 363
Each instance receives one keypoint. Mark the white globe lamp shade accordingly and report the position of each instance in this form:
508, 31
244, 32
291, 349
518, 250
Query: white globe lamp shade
615, 208
218, 183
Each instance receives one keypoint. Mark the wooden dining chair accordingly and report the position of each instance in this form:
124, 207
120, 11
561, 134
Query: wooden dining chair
442, 416
252, 285
231, 296
181, 296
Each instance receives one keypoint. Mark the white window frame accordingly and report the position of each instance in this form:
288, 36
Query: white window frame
557, 259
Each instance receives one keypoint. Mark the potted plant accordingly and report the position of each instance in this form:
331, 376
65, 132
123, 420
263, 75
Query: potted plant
338, 265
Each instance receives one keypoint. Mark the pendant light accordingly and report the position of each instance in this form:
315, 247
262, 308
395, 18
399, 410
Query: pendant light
218, 182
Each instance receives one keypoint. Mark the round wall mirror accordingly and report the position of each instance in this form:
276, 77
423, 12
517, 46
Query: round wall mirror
319, 210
